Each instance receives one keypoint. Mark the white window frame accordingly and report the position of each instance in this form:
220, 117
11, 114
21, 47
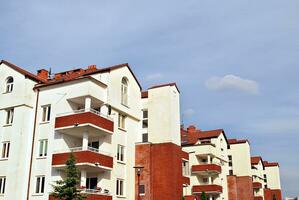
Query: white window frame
124, 91
9, 116
120, 153
40, 183
2, 184
5, 150
120, 187
9, 85
122, 121
46, 113
43, 148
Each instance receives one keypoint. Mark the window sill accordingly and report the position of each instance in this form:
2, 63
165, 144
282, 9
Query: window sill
124, 130
42, 158
38, 194
46, 122
121, 162
122, 197
125, 105
7, 125
3, 159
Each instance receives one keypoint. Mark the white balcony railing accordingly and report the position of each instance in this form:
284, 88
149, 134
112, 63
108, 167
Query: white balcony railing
96, 191
85, 110
77, 149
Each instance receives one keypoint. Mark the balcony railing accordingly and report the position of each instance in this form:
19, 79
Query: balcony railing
206, 168
257, 185
207, 188
90, 157
73, 121
83, 111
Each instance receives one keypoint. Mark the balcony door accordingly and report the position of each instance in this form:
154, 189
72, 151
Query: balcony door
94, 145
91, 183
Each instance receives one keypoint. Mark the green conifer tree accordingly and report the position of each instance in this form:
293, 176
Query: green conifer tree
67, 189
203, 196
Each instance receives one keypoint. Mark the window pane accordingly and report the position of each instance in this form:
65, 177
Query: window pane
44, 114
7, 151
46, 148
3, 150
37, 185
49, 113
43, 185
145, 137
117, 187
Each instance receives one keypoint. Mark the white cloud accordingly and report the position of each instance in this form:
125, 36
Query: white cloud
154, 76
232, 82
189, 112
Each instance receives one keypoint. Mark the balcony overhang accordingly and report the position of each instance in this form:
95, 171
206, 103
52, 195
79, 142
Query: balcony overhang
206, 169
185, 180
77, 123
88, 160
257, 185
209, 189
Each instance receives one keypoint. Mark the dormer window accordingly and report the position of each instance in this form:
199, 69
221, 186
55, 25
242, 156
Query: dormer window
9, 84
124, 91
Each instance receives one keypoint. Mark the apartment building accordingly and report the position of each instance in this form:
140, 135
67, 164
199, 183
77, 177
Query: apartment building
240, 176
99, 115
128, 143
208, 159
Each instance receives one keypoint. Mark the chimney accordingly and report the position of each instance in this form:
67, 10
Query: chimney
43, 74
191, 129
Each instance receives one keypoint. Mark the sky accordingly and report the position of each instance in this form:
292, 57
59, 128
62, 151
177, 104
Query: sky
236, 62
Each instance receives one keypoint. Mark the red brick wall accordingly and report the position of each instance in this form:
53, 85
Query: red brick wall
83, 157
269, 194
240, 187
232, 188
83, 118
162, 173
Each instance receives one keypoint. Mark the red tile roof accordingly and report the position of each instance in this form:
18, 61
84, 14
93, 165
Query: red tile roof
192, 135
22, 71
255, 160
236, 141
271, 164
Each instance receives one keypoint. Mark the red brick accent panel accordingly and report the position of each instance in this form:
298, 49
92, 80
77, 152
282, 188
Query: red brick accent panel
162, 173
257, 185
245, 187
185, 155
186, 180
269, 194
83, 118
206, 188
258, 198
205, 167
84, 157
232, 188
190, 197
91, 197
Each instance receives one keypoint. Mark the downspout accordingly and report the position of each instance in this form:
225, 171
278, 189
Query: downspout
32, 146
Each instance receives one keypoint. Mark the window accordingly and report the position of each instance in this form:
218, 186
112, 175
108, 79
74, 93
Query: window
145, 137
230, 161
185, 168
9, 84
2, 184
120, 187
40, 185
91, 183
46, 113
145, 119
124, 91
5, 150
120, 153
122, 121
142, 189
205, 180
43, 148
9, 116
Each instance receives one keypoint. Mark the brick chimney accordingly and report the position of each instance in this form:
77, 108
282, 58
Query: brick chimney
43, 74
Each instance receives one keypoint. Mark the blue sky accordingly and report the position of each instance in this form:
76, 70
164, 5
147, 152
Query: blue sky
236, 62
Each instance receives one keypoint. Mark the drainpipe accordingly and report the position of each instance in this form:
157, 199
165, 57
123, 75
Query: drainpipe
32, 146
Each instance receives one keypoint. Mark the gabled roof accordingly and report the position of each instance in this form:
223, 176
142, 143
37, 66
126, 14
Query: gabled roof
192, 135
271, 164
22, 71
256, 159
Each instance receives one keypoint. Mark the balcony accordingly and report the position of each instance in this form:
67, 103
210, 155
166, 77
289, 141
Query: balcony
257, 185
206, 149
76, 122
185, 180
90, 159
92, 195
206, 169
209, 189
